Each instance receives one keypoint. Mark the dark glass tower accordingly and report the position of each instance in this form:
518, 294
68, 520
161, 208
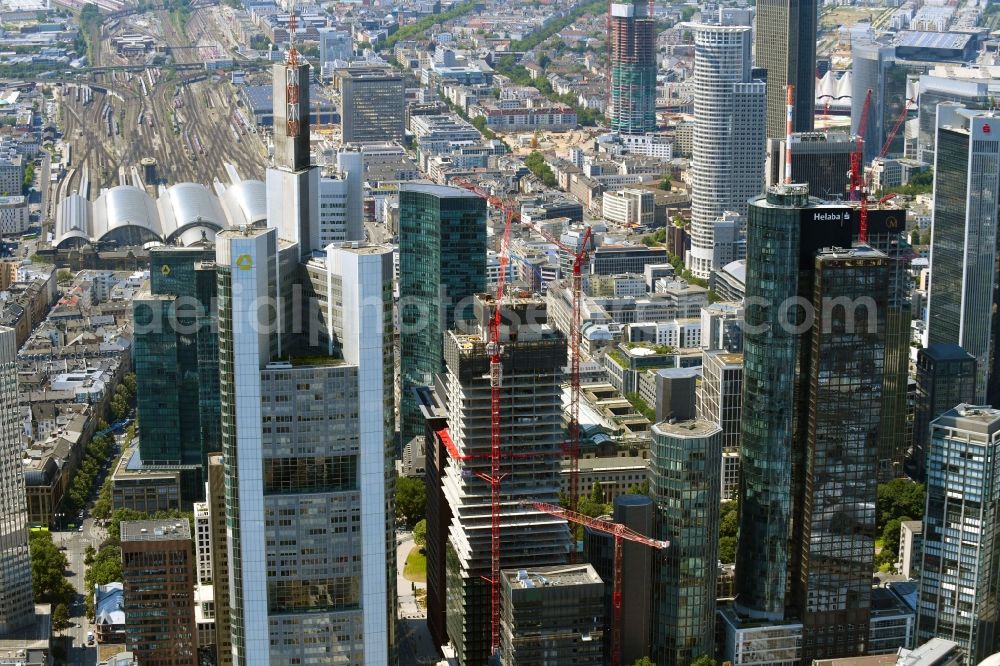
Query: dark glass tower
786, 48
815, 321
946, 376
176, 359
442, 262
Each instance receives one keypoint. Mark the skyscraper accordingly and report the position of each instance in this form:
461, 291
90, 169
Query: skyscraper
17, 609
531, 425
176, 360
874, 67
373, 104
686, 471
946, 376
442, 263
786, 48
958, 596
809, 450
632, 38
822, 160
308, 551
727, 154
720, 401
962, 298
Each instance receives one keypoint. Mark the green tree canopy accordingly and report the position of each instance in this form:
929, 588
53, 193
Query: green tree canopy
411, 499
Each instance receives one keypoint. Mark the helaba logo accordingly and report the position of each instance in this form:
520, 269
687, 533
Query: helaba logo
827, 217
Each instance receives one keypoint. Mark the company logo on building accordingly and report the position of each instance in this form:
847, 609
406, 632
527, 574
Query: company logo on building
986, 128
165, 269
827, 217
244, 262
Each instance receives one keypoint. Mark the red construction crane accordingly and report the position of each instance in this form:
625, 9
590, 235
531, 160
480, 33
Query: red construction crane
572, 446
619, 532
860, 182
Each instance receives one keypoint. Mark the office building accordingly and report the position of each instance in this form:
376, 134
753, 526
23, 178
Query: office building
442, 263
176, 361
963, 257
946, 376
935, 652
630, 207
617, 259
822, 160
159, 575
807, 448
727, 155
308, 552
686, 469
17, 605
215, 494
911, 548
958, 577
875, 67
892, 623
552, 615
373, 104
953, 87
637, 512
632, 50
786, 48
292, 184
335, 46
748, 641
532, 368
720, 401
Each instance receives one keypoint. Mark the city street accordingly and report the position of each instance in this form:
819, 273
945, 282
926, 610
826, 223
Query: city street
75, 544
414, 637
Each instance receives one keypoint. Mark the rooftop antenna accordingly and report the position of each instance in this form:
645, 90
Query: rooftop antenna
789, 127
292, 78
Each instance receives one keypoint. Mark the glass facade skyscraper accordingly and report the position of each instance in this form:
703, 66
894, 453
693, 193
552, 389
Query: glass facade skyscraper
959, 595
632, 39
176, 362
686, 470
786, 48
442, 264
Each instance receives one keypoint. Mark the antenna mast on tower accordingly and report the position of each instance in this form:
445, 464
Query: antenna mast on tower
292, 78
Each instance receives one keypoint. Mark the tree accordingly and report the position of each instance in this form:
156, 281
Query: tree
420, 533
890, 536
727, 550
597, 493
703, 660
898, 498
665, 184
645, 661
60, 617
411, 500
48, 570
639, 488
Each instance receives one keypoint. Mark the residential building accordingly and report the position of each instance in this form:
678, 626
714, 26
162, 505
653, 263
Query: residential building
686, 469
786, 48
810, 423
632, 51
958, 582
946, 376
964, 240
159, 575
372, 105
11, 175
728, 146
911, 548
442, 257
17, 605
203, 542
532, 369
14, 217
552, 615
297, 520
176, 363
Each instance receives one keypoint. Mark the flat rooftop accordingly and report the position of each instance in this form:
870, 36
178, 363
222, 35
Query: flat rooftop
552, 576
171, 529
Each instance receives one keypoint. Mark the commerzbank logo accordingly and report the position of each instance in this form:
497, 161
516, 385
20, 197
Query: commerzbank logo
244, 262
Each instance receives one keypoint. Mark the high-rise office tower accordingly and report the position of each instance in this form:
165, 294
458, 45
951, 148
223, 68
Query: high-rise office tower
309, 552
822, 160
373, 104
720, 401
946, 376
215, 494
293, 183
17, 605
335, 45
632, 39
531, 425
875, 68
727, 154
442, 263
159, 575
636, 512
800, 436
962, 298
686, 470
786, 48
934, 89
958, 595
176, 360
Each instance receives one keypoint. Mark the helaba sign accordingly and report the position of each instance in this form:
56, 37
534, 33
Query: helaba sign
828, 217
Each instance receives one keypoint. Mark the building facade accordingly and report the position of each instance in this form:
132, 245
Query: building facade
632, 37
159, 575
727, 155
946, 376
786, 48
442, 263
17, 606
373, 105
958, 580
686, 469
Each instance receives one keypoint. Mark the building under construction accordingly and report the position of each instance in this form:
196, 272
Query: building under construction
533, 358
632, 61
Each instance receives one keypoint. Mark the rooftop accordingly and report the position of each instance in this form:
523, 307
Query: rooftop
155, 530
441, 191
551, 576
691, 428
